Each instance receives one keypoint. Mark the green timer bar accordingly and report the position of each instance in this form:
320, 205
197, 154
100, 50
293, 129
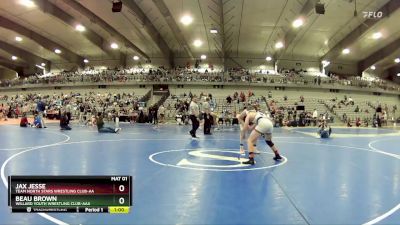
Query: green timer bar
79, 194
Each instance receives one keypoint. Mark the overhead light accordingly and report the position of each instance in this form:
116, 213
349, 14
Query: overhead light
80, 28
377, 35
346, 51
43, 64
398, 74
14, 57
114, 45
197, 43
325, 63
186, 20
136, 58
41, 67
58, 51
27, 3
326, 42
397, 60
268, 58
86, 61
298, 23
279, 45
373, 67
214, 31
19, 39
203, 57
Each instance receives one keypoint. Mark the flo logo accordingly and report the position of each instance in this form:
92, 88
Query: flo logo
212, 160
372, 14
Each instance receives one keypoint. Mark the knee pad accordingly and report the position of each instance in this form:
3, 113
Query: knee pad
270, 143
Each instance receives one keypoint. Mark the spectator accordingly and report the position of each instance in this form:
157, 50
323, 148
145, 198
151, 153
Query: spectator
40, 108
24, 121
229, 99
101, 128
324, 130
344, 117
358, 122
37, 122
315, 116
270, 94
161, 112
64, 121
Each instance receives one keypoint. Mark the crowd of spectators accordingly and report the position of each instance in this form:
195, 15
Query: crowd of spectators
82, 106
192, 75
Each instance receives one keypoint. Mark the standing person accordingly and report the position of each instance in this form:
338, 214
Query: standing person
81, 113
161, 112
154, 112
194, 112
241, 119
261, 125
40, 108
207, 117
117, 114
68, 109
315, 116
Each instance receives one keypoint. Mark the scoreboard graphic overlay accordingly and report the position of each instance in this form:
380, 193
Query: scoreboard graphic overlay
73, 194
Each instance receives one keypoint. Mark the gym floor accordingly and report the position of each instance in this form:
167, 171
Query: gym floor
351, 178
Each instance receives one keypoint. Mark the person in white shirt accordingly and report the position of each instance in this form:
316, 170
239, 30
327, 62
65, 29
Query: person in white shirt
161, 112
315, 116
194, 112
207, 117
241, 118
261, 126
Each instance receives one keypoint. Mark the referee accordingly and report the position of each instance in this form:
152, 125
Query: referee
194, 116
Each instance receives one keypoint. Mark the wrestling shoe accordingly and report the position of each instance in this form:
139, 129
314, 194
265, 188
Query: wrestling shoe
277, 157
250, 162
117, 130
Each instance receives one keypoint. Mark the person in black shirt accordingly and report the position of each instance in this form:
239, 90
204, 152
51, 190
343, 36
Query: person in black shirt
64, 121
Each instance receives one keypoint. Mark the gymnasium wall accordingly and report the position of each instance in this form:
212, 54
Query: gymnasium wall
6, 74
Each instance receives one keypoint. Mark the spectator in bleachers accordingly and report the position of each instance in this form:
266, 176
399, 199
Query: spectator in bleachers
358, 122
349, 123
269, 94
344, 117
229, 99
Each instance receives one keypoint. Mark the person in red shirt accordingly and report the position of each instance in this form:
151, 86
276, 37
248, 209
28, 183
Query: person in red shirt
24, 121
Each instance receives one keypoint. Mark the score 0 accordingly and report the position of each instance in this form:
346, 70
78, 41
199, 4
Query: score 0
122, 186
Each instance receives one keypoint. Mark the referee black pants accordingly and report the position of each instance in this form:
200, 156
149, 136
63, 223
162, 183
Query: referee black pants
195, 124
